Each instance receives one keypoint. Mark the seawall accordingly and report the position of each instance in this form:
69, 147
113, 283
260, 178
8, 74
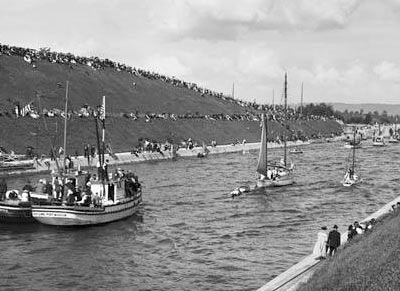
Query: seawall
46, 166
291, 279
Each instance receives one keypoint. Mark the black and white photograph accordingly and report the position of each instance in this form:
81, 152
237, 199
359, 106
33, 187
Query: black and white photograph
200, 145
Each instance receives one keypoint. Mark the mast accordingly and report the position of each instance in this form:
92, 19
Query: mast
103, 120
273, 97
65, 122
354, 150
266, 140
233, 90
98, 141
46, 130
284, 133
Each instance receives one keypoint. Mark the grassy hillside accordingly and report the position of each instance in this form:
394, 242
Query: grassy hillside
126, 93
19, 81
369, 262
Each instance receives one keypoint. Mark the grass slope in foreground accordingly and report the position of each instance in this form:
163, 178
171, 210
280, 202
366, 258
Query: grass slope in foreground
367, 263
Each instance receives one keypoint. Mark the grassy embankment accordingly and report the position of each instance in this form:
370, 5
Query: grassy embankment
19, 82
367, 263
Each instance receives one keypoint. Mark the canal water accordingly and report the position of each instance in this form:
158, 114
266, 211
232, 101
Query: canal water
190, 235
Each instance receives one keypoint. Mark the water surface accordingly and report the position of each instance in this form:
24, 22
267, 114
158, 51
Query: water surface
190, 235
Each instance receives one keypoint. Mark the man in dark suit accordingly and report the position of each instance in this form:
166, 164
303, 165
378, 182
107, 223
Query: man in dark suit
333, 240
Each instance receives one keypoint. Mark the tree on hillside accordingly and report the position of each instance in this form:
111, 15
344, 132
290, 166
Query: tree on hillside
368, 118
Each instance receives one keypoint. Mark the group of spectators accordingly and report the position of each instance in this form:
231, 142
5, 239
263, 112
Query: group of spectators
32, 56
328, 243
87, 111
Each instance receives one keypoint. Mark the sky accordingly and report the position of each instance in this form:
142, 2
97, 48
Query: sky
341, 50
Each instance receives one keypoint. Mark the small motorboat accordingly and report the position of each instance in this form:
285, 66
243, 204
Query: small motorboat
296, 151
378, 141
240, 190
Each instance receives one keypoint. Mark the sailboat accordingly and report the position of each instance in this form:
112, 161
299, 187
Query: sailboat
394, 138
353, 142
92, 200
273, 174
350, 177
378, 141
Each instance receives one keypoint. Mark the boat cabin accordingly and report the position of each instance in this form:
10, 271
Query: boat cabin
84, 189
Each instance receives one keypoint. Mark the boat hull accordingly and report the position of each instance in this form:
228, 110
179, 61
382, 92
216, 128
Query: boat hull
349, 184
274, 183
14, 213
378, 144
349, 146
85, 216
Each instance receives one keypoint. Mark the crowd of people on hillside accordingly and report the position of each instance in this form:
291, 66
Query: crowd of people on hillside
32, 56
86, 111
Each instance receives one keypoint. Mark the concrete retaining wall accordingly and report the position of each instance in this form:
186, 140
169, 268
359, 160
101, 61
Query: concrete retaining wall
129, 158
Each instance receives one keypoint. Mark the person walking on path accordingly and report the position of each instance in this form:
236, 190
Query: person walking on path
320, 246
333, 241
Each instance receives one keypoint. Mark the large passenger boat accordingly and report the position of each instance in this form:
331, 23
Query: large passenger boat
92, 202
91, 199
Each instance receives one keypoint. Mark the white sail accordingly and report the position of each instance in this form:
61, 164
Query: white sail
262, 158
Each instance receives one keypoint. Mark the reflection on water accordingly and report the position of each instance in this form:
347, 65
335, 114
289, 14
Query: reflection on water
189, 234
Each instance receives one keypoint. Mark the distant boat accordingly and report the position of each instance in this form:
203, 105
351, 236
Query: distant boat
378, 141
273, 174
394, 138
353, 144
350, 177
296, 151
14, 165
11, 161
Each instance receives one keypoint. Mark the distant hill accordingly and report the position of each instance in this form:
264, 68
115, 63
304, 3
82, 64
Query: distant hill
391, 109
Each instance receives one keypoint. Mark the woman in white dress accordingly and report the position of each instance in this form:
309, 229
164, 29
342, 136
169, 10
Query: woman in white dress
320, 246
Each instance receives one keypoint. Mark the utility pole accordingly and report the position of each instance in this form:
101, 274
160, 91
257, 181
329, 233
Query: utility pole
301, 101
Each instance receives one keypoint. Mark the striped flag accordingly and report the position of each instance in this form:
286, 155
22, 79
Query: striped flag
102, 113
26, 110
17, 109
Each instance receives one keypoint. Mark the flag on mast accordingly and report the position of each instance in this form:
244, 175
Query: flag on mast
102, 112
